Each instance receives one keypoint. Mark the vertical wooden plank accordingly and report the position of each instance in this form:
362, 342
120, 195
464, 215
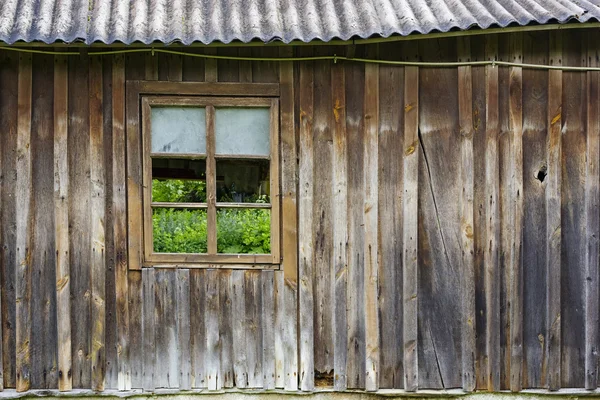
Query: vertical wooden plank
268, 330
254, 344
43, 256
134, 282
229, 70
79, 220
193, 68
322, 208
246, 66
167, 355
210, 65
151, 67
238, 312
197, 327
553, 215
225, 328
61, 218
211, 181
9, 122
306, 229
492, 231
148, 328
279, 308
97, 261
516, 201
574, 239
24, 228
371, 171
340, 232
592, 216
175, 67
465, 110
112, 365
355, 362
287, 308
183, 328
410, 225
119, 206
212, 356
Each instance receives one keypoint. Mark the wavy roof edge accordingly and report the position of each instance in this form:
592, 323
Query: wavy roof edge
285, 21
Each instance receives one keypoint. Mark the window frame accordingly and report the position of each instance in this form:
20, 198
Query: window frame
141, 94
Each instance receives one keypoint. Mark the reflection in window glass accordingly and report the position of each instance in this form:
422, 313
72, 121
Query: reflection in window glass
243, 181
179, 230
179, 181
244, 231
178, 130
243, 131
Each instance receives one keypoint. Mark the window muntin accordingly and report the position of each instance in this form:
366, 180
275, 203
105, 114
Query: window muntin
224, 180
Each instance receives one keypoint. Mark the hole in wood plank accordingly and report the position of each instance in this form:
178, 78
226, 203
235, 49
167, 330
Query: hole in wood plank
542, 173
323, 378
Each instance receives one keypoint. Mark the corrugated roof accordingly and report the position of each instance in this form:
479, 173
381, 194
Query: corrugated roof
207, 21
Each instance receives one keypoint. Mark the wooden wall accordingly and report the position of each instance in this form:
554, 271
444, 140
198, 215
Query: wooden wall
447, 220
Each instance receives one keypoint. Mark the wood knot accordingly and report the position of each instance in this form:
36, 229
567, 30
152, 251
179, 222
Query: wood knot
409, 150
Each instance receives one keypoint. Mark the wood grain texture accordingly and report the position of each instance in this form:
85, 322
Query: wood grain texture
212, 356
516, 201
97, 204
305, 230
492, 225
197, 327
119, 228
24, 235
167, 339
79, 220
43, 285
287, 310
268, 329
340, 227
148, 328
254, 329
553, 216
465, 111
371, 170
225, 328
592, 216
409, 227
135, 343
9, 122
238, 312
183, 329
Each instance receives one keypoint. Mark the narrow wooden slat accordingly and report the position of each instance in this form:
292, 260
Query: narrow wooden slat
371, 226
340, 233
306, 229
136, 356
2, 223
238, 312
287, 311
212, 358
246, 66
61, 217
24, 228
119, 207
279, 307
97, 262
197, 327
410, 221
208, 88
211, 181
225, 328
210, 66
553, 215
175, 67
151, 67
268, 329
492, 224
254, 345
167, 356
9, 122
516, 201
274, 184
183, 328
592, 215
193, 68
148, 328
465, 110
79, 220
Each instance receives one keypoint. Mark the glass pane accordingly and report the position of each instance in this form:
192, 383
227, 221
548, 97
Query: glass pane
243, 181
179, 230
244, 231
181, 181
243, 131
178, 130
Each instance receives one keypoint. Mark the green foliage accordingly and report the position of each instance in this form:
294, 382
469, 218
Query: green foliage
239, 231
178, 191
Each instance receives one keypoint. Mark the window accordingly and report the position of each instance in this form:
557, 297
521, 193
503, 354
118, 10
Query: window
210, 180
